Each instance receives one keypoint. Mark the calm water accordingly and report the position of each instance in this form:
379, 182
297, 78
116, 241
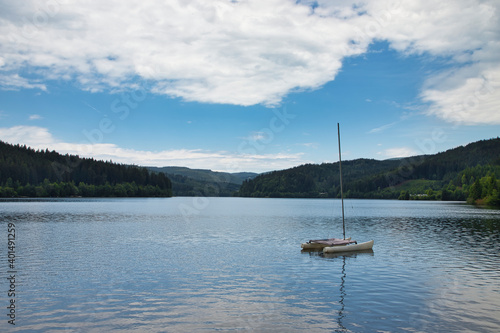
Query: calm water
234, 264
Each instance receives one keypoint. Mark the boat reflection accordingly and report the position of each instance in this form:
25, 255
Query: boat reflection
342, 292
346, 254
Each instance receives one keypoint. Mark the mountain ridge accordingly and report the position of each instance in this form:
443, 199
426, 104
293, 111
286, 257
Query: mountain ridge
370, 178
203, 182
453, 170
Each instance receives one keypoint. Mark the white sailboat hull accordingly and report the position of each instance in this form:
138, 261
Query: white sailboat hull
349, 248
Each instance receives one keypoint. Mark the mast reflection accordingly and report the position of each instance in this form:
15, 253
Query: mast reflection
341, 315
342, 297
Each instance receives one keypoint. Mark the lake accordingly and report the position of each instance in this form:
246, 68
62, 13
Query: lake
235, 264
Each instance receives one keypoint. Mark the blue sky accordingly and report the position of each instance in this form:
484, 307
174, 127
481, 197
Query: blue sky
248, 85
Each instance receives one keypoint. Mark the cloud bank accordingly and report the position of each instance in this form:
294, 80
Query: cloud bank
250, 52
399, 152
41, 138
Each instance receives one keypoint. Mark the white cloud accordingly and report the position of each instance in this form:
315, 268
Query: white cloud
313, 145
381, 128
36, 137
41, 138
471, 96
16, 82
35, 117
450, 27
466, 33
243, 53
398, 152
258, 136
248, 52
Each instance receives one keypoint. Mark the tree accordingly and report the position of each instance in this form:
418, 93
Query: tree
493, 199
476, 190
446, 195
405, 195
48, 173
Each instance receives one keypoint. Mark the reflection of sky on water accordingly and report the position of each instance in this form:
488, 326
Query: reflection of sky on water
99, 265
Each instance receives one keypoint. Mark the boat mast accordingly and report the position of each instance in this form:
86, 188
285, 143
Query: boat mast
341, 190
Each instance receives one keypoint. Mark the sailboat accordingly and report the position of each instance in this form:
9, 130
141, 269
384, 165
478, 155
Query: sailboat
344, 244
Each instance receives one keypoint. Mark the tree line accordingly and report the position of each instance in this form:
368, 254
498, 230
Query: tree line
486, 190
478, 185
43, 173
449, 175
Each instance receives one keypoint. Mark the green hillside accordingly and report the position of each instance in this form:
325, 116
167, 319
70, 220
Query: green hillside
25, 172
201, 182
468, 172
447, 175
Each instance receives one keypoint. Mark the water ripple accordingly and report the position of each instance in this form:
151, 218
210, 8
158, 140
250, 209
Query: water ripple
234, 264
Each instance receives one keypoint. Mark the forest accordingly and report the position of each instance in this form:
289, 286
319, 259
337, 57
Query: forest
201, 182
470, 172
25, 172
465, 173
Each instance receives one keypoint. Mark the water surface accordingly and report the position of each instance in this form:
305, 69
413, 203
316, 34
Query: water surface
234, 264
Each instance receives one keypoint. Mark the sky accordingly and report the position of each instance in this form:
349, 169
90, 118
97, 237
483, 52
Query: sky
249, 86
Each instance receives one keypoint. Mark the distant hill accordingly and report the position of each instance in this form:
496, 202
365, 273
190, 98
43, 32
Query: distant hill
42, 173
196, 182
465, 172
424, 176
